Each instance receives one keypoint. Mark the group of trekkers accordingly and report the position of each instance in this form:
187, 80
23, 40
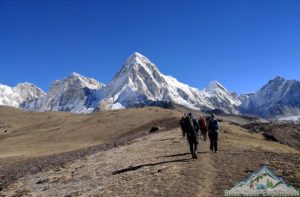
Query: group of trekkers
207, 125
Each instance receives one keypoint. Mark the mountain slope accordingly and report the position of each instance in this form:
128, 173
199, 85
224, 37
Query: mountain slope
279, 97
128, 160
139, 82
222, 99
75, 93
22, 92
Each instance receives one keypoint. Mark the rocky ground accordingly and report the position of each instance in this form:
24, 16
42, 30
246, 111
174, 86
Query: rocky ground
285, 133
159, 164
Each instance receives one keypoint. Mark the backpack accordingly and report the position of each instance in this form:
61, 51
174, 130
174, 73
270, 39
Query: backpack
214, 125
183, 125
189, 124
202, 123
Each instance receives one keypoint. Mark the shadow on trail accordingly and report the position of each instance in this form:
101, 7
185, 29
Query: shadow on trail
183, 154
133, 168
177, 155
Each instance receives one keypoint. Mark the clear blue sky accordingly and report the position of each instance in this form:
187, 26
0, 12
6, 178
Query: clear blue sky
241, 43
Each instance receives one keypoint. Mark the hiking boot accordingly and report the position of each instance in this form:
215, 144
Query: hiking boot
194, 156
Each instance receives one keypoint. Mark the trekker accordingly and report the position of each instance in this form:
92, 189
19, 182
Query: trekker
182, 125
213, 132
191, 128
203, 127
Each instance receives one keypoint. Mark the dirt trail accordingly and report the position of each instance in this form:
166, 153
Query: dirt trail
206, 173
160, 164
155, 165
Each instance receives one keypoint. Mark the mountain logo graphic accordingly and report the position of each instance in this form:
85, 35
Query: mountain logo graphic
262, 183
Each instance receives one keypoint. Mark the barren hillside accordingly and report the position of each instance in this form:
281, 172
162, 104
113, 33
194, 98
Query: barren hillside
30, 134
130, 161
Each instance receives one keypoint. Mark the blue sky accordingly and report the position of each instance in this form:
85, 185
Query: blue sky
241, 43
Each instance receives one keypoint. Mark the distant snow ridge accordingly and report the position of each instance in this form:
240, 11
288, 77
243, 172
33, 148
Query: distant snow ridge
294, 119
222, 99
75, 93
139, 82
279, 97
22, 92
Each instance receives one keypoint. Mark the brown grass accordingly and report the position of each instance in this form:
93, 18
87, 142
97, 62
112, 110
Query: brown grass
31, 134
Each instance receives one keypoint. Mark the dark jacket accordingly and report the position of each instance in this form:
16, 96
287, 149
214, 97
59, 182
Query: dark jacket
189, 125
213, 125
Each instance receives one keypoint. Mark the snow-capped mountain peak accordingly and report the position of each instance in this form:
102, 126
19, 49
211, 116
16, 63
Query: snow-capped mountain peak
28, 91
138, 59
74, 93
278, 78
215, 86
277, 98
137, 63
75, 74
81, 81
222, 98
140, 82
138, 78
22, 92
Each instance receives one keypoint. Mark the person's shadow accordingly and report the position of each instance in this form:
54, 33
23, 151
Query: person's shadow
133, 168
183, 154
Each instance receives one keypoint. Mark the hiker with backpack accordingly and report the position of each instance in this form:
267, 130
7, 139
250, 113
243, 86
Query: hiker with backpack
213, 132
182, 125
191, 128
203, 127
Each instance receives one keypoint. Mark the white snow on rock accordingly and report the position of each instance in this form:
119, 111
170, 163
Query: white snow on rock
22, 92
290, 118
75, 93
279, 97
140, 82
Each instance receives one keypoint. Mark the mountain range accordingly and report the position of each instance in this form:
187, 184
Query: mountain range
140, 83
